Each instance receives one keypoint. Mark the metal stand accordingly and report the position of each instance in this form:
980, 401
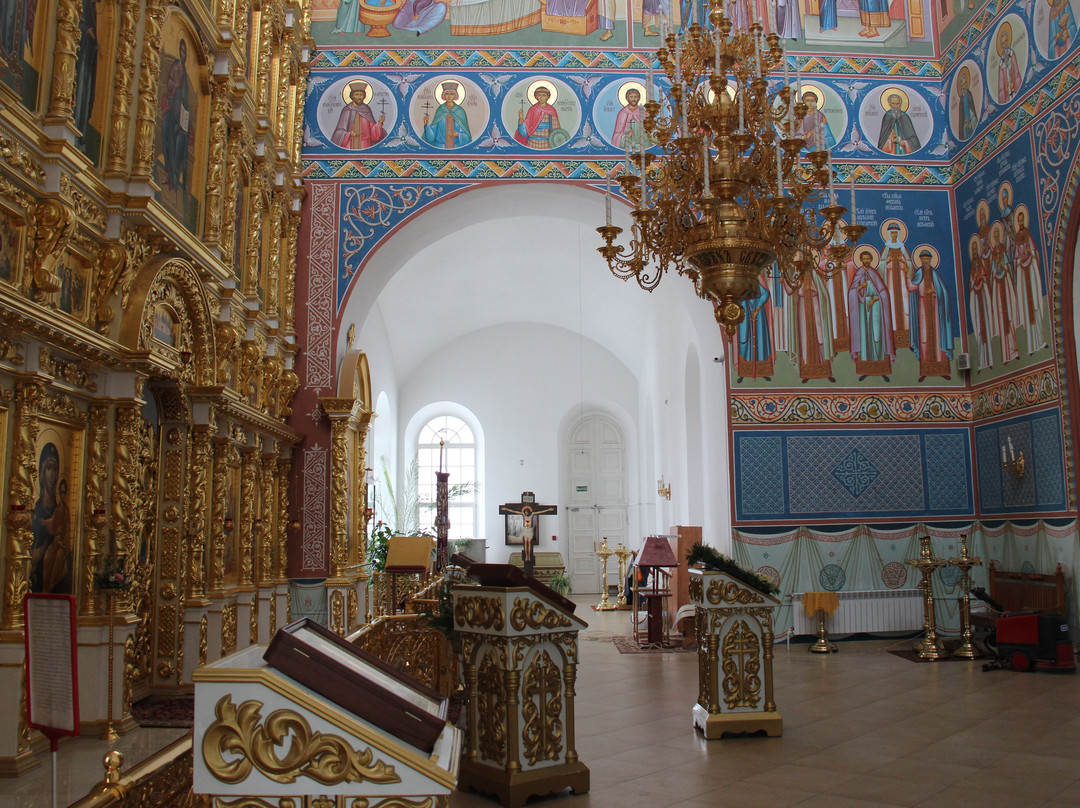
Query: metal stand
822, 645
623, 555
930, 647
605, 553
964, 563
110, 733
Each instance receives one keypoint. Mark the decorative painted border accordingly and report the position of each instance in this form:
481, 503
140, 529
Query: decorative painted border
316, 506
600, 60
1038, 386
318, 349
852, 408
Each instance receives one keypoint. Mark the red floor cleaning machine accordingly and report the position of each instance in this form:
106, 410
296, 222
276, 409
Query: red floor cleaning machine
1027, 641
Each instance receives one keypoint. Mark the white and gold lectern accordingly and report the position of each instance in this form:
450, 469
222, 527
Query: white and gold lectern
337, 727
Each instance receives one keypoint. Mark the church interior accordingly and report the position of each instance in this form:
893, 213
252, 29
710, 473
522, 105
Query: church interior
266, 266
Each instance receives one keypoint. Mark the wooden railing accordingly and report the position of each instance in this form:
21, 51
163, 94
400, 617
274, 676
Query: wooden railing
163, 780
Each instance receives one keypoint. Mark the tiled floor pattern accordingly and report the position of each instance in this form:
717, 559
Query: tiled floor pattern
862, 728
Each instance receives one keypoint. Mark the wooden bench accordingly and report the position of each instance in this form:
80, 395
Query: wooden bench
548, 564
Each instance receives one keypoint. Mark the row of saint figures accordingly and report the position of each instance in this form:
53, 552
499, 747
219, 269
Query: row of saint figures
880, 302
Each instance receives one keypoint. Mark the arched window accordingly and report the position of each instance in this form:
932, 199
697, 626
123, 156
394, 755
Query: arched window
457, 455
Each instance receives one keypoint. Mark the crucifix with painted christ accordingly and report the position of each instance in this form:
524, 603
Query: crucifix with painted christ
528, 512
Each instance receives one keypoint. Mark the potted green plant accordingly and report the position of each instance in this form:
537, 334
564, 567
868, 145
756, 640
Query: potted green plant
560, 582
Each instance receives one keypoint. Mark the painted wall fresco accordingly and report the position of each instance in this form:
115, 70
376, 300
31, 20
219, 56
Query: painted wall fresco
1038, 438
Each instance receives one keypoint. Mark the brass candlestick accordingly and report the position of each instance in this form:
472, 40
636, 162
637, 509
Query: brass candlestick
110, 733
623, 555
605, 553
822, 645
964, 563
930, 647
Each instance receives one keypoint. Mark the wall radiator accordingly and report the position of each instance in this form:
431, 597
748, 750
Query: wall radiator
869, 612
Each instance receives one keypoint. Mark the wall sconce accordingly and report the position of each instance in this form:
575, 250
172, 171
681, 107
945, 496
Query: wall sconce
663, 489
1012, 462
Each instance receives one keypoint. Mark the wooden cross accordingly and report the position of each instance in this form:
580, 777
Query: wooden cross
528, 510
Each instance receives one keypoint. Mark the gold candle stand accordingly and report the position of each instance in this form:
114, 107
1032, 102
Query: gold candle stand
930, 647
605, 553
110, 733
623, 555
964, 563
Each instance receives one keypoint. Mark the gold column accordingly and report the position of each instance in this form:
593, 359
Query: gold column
767, 640
569, 691
249, 460
284, 470
215, 176
225, 12
284, 81
120, 116
472, 692
230, 200
253, 260
219, 489
273, 259
266, 52
28, 397
265, 538
95, 518
198, 480
149, 75
511, 687
127, 500
713, 668
288, 298
339, 411
62, 92
360, 485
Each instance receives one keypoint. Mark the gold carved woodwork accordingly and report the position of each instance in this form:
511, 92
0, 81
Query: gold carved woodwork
491, 711
228, 628
339, 501
198, 476
288, 384
477, 612
203, 631
253, 621
284, 469
116, 162
528, 613
240, 741
129, 460
28, 397
95, 518
251, 261
248, 505
288, 293
273, 614
19, 158
265, 53
215, 176
228, 349
741, 652
273, 266
219, 493
266, 534
541, 711
11, 352
85, 208
352, 607
62, 95
54, 225
170, 553
149, 78
337, 612
731, 592
230, 201
166, 631
66, 370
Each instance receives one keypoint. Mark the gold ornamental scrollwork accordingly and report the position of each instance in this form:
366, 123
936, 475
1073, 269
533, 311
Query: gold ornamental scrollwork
534, 614
741, 653
542, 732
695, 590
240, 741
731, 592
66, 370
54, 226
474, 611
491, 711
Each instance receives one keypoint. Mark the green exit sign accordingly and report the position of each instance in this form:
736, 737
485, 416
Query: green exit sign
583, 489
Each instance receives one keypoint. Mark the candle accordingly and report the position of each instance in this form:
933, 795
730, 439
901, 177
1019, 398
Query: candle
853, 194
832, 192
644, 175
742, 115
705, 160
716, 51
787, 72
819, 133
1003, 455
649, 85
798, 78
607, 200
757, 52
1012, 451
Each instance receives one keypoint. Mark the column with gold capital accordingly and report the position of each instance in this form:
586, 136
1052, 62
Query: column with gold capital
65, 49
20, 503
149, 80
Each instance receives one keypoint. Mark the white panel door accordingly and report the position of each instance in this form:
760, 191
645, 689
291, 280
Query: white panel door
597, 497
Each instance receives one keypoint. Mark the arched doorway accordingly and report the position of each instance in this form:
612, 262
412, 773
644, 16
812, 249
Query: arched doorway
597, 497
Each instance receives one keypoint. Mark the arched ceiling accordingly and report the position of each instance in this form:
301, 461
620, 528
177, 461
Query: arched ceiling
500, 256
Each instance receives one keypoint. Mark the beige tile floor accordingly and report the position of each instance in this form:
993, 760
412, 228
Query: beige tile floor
861, 728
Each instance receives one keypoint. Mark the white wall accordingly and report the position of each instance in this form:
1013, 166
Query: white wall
521, 382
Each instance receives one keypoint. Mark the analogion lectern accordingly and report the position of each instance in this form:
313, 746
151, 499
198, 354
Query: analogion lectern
315, 718
656, 554
519, 665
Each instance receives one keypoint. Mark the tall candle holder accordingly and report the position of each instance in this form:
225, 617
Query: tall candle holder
964, 563
623, 554
930, 647
110, 733
604, 552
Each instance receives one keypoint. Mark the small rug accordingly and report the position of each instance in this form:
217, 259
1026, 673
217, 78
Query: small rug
165, 711
913, 656
626, 645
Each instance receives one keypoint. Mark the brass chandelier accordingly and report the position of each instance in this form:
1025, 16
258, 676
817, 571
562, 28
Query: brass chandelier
731, 191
